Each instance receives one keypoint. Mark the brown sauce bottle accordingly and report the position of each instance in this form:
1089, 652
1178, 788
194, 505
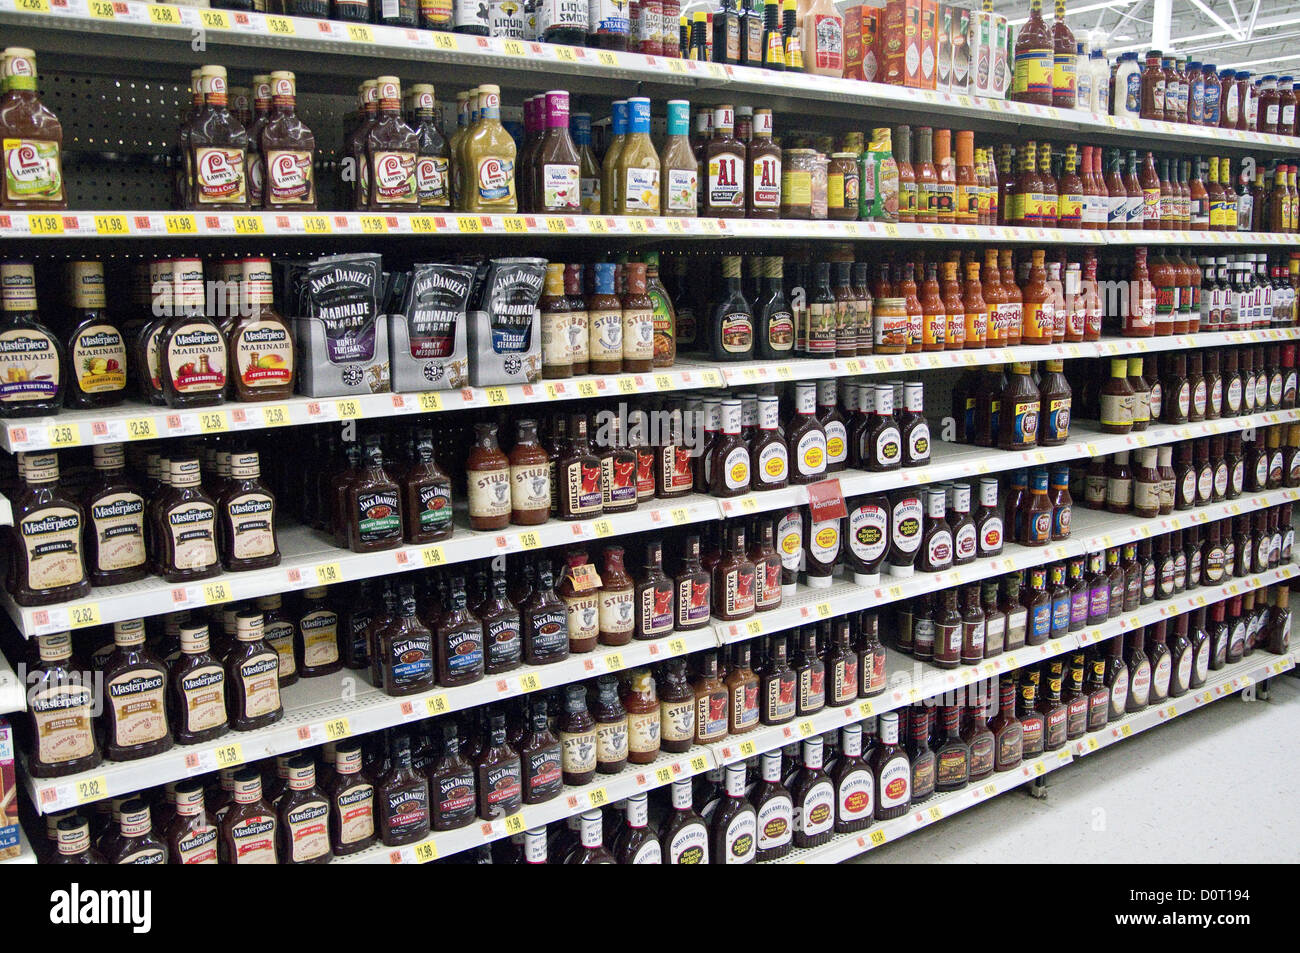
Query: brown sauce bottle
530, 480
114, 533
191, 834
246, 521
578, 475
487, 472
351, 802
733, 580
402, 798
544, 623
135, 720
459, 641
60, 707
48, 566
302, 816
260, 348
426, 495
197, 689
252, 677
248, 829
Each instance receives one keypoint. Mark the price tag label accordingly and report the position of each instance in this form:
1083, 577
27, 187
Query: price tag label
360, 33
430, 402
426, 851
141, 428
329, 574
1126, 730
614, 662
678, 516
677, 646
606, 58
663, 775
229, 755
373, 225
529, 540
45, 224
111, 225
443, 41
514, 224
626, 385
878, 837
62, 435
437, 705
433, 556
214, 421
179, 224
1093, 744
806, 728
281, 26
557, 225
214, 19
587, 388
1040, 768
823, 610
699, 763
316, 224
83, 615
663, 382
347, 409
101, 9
214, 592
604, 528
92, 789
164, 15
754, 627
422, 224
529, 682
565, 54
248, 225
597, 226
469, 225
936, 814
599, 797
497, 396
276, 415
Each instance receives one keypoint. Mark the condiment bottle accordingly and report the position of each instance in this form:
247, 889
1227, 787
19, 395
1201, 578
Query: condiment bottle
891, 769
186, 526
725, 156
711, 701
731, 326
252, 677
48, 565
490, 151
678, 168
685, 837
813, 795
60, 707
196, 691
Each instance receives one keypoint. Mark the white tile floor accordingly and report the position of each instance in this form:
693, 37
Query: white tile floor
1215, 785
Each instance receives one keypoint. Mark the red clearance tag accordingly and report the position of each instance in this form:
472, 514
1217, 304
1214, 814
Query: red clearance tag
827, 500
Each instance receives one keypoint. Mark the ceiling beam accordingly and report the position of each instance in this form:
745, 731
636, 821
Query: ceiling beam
1232, 31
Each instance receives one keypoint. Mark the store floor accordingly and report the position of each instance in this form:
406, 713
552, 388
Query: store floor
1131, 801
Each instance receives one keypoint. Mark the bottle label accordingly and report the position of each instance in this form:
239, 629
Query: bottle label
98, 358
641, 190
615, 611
689, 845
250, 521
203, 691
990, 538
726, 181
253, 840
775, 822
611, 741
810, 453
789, 540
264, 355
196, 358
736, 469
824, 542
938, 550
495, 182
765, 182
836, 443
895, 784
139, 707
868, 533
905, 531
736, 332
888, 447
308, 827
828, 35
578, 751
918, 443
1024, 425
431, 181
259, 676
738, 591
965, 543
738, 840
816, 813
773, 463
379, 512
530, 489
319, 638
219, 175
192, 536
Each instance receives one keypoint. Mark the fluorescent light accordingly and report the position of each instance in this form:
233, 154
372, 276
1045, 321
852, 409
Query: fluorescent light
1087, 8
1269, 59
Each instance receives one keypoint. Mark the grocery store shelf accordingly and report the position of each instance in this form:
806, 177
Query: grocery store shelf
755, 372
909, 681
1226, 681
135, 30
955, 461
308, 559
605, 790
13, 693
137, 421
337, 706
936, 808
1091, 531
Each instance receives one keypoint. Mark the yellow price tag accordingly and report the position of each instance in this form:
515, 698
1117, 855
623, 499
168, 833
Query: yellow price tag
164, 15
469, 224
663, 775
360, 33
101, 9
513, 48
748, 749
676, 66
1039, 768
557, 225
216, 592
433, 556
282, 26
329, 574
878, 838
347, 409
180, 224
936, 814
141, 428
215, 19
422, 224
679, 516
45, 224
626, 385
437, 705
990, 789
587, 388
248, 224
425, 852
111, 225
515, 224
515, 824
677, 646
214, 421
498, 396
529, 682
614, 662
529, 540
336, 729
637, 225
823, 609
230, 755
784, 372
597, 225
275, 415
430, 401
316, 224
61, 435
599, 797
566, 54
754, 626
1126, 730
699, 763
604, 528
374, 224
749, 504
663, 382
607, 58
805, 727
443, 41
891, 230
1092, 744
676, 225
84, 615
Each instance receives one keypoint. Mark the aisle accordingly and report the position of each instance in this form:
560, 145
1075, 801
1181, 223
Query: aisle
1118, 803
